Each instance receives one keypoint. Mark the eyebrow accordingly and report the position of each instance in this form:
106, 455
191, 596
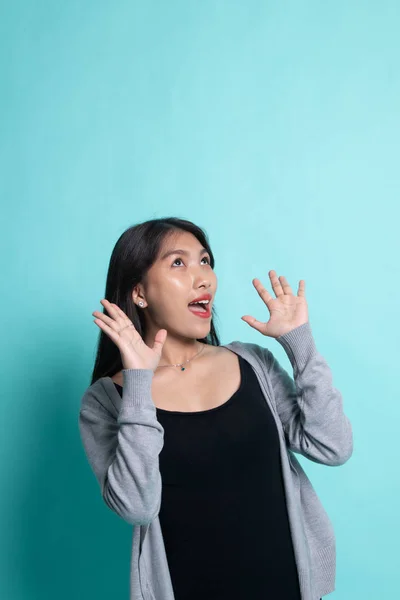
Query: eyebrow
180, 251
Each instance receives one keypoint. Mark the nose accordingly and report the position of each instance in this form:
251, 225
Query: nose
202, 278
201, 281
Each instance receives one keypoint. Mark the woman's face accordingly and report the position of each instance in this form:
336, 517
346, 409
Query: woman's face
181, 274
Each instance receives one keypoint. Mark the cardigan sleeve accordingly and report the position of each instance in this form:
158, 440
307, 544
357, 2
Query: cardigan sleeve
309, 406
123, 452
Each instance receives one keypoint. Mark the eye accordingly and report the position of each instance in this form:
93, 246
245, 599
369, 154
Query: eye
176, 260
204, 257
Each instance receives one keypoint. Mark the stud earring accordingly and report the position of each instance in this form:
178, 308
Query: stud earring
141, 303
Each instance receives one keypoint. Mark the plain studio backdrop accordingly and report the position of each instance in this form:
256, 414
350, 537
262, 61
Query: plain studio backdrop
275, 126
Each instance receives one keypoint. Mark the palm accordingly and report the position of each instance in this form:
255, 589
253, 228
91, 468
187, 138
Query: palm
287, 311
132, 342
135, 354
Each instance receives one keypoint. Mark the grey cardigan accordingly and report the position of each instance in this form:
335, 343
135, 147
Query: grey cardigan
122, 439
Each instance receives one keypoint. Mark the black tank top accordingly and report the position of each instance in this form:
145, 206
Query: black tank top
223, 508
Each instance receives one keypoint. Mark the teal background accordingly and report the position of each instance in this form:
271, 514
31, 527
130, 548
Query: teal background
273, 125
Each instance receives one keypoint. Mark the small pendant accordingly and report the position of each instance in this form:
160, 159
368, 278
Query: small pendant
182, 368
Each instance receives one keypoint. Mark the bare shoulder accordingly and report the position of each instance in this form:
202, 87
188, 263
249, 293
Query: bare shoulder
221, 353
220, 360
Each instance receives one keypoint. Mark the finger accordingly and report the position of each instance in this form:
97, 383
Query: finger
113, 335
159, 340
262, 291
113, 309
285, 285
254, 323
117, 325
103, 317
276, 284
302, 288
117, 314
119, 311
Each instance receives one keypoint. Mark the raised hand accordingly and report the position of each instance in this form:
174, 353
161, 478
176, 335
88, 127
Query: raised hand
286, 310
135, 354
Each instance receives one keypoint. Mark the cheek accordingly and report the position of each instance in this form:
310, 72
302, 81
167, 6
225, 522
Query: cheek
171, 294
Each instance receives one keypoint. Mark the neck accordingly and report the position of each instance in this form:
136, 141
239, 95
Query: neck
176, 351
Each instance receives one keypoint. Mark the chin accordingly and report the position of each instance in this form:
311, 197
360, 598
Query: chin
199, 332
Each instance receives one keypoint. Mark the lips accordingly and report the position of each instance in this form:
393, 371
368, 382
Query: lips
200, 312
203, 297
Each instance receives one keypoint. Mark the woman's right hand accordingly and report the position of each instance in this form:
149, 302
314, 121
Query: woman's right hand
135, 354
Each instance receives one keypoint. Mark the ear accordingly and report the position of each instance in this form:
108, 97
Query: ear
138, 294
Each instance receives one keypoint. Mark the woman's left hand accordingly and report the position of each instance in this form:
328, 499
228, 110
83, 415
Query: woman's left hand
286, 310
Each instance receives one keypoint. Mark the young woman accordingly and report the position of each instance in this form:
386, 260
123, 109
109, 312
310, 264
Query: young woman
192, 442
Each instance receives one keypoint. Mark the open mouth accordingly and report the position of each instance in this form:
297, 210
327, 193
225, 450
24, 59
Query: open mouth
199, 308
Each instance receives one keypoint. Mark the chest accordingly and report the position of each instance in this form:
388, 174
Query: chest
198, 389
232, 442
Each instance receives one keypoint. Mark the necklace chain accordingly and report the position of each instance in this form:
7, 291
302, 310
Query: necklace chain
186, 361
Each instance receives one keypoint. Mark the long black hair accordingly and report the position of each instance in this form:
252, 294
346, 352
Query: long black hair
134, 253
